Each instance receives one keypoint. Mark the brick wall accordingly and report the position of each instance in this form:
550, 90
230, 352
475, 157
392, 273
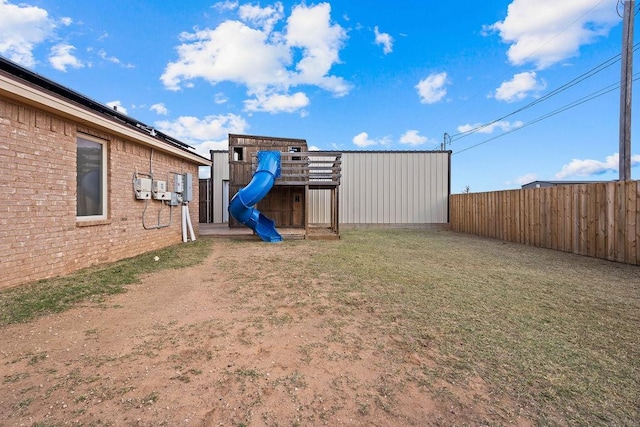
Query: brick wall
39, 235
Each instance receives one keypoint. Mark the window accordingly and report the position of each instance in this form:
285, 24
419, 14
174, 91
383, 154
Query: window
295, 150
238, 154
91, 179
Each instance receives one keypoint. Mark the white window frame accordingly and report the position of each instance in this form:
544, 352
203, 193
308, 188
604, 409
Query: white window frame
103, 177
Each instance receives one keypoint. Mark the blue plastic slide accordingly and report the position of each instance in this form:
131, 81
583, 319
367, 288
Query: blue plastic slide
242, 204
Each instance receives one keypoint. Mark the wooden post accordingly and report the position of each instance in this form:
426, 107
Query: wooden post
625, 91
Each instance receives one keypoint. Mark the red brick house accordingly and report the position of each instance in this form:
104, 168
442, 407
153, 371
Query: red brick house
83, 184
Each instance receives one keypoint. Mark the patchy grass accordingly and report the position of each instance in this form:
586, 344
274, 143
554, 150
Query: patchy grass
557, 332
24, 303
554, 332
549, 334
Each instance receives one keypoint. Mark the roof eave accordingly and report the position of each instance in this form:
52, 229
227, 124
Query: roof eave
41, 99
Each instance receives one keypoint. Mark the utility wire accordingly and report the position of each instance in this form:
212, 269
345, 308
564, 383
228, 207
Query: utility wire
621, 3
524, 59
576, 103
597, 69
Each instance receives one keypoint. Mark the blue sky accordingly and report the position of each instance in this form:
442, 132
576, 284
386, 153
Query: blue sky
348, 75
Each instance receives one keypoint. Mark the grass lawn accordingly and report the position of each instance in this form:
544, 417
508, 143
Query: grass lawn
553, 332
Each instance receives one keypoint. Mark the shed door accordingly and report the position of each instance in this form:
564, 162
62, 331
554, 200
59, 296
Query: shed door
298, 207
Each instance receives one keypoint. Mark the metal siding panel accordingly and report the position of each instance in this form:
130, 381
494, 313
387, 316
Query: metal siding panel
391, 164
384, 165
425, 189
393, 188
417, 184
342, 195
375, 185
380, 185
313, 207
403, 189
363, 214
401, 167
414, 184
220, 173
319, 206
346, 205
397, 164
434, 193
416, 199
365, 178
406, 187
347, 197
433, 188
372, 189
365, 211
441, 198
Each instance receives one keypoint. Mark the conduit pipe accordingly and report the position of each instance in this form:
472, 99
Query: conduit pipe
186, 224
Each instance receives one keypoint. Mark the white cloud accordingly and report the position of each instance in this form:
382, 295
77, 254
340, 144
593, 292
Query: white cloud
310, 29
362, 140
588, 167
432, 88
227, 5
220, 98
525, 179
385, 40
503, 125
208, 133
519, 87
102, 54
412, 137
545, 32
262, 59
66, 21
264, 18
62, 56
231, 52
118, 106
276, 103
23, 27
159, 108
204, 148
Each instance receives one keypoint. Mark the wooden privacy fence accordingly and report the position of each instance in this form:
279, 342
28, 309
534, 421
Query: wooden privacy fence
599, 220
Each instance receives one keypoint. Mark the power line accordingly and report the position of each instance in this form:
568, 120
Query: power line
576, 103
597, 69
524, 59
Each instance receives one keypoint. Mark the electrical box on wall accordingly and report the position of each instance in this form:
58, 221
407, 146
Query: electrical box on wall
178, 183
160, 190
162, 195
159, 186
188, 187
142, 188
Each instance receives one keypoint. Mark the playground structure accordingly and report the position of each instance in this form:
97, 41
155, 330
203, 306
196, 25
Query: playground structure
280, 194
242, 205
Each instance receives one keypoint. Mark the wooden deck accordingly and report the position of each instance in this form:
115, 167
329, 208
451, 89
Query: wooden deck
245, 233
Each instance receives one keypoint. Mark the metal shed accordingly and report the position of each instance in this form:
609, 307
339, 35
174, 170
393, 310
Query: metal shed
390, 187
383, 188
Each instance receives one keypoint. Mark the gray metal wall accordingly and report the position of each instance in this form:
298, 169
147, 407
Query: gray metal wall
403, 187
377, 187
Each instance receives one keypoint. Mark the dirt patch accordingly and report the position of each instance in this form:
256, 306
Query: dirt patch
200, 346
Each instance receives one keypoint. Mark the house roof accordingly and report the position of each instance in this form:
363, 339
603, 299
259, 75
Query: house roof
553, 183
17, 82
